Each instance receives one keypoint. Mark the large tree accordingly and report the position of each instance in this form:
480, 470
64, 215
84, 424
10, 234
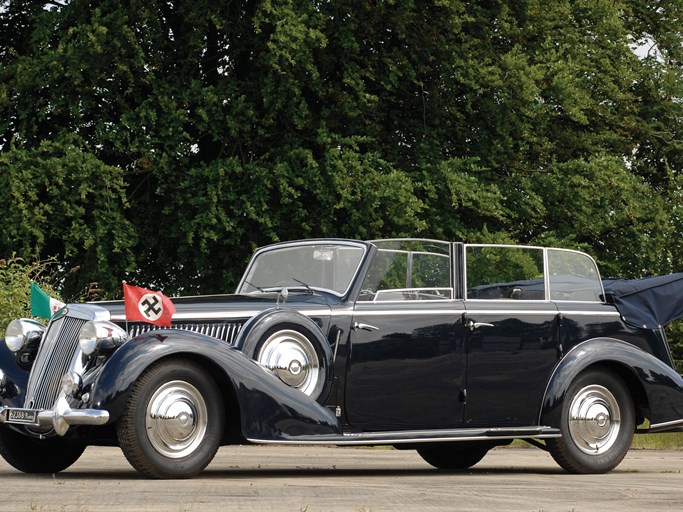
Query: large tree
162, 141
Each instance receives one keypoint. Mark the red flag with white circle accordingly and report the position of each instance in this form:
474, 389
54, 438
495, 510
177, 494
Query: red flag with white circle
147, 306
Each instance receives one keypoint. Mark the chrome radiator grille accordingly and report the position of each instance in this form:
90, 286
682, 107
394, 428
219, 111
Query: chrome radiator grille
54, 359
225, 331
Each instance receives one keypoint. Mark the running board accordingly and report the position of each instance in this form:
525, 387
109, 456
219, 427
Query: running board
418, 436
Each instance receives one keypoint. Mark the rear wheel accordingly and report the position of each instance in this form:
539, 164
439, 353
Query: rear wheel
597, 424
453, 456
32, 455
173, 422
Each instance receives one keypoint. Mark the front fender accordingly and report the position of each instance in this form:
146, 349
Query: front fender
269, 409
259, 324
16, 378
662, 386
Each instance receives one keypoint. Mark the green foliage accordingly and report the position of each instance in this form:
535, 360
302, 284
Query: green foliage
15, 280
162, 142
62, 201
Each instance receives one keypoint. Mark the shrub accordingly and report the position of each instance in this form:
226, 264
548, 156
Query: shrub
15, 282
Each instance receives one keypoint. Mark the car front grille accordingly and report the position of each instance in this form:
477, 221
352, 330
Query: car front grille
59, 352
225, 331
54, 359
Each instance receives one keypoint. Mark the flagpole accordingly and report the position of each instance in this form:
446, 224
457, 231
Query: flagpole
124, 306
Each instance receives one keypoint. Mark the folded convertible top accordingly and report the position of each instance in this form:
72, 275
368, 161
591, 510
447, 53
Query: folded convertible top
648, 303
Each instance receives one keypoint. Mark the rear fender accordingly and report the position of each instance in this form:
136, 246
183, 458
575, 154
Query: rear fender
661, 385
269, 409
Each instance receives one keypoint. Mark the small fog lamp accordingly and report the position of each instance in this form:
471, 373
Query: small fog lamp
71, 383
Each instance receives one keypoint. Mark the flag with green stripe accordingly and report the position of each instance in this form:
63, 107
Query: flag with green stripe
42, 304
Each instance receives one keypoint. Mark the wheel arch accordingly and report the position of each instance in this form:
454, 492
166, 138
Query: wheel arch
113, 385
655, 388
265, 407
260, 324
274, 319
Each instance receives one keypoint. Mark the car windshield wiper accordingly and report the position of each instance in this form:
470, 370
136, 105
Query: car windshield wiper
282, 286
310, 290
253, 285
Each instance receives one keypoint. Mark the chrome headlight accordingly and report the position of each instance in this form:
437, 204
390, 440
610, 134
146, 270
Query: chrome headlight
99, 333
18, 331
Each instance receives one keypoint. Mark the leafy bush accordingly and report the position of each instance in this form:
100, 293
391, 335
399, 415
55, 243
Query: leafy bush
15, 282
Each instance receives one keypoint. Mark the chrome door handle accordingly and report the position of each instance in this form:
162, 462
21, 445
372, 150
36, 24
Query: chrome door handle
472, 325
365, 327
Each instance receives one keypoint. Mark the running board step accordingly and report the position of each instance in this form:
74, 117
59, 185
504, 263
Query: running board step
418, 436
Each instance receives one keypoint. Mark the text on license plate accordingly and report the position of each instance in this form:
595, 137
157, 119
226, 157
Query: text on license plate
22, 416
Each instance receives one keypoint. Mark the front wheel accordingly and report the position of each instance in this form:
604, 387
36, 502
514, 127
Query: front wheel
32, 455
173, 422
597, 424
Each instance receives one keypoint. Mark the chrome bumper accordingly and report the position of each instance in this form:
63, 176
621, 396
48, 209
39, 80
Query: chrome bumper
61, 417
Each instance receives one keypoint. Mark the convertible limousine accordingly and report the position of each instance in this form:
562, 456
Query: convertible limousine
446, 348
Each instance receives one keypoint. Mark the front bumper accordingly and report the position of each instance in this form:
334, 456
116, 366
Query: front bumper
60, 417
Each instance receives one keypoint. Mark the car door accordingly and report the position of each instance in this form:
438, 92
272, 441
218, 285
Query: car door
406, 367
512, 335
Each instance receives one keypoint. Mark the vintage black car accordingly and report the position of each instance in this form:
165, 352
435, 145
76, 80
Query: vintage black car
450, 349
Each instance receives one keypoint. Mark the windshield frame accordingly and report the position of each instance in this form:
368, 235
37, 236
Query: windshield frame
249, 287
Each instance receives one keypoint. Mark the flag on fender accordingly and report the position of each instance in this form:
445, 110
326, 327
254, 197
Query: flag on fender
147, 306
42, 305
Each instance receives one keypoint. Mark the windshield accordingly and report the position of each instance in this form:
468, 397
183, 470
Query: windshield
323, 266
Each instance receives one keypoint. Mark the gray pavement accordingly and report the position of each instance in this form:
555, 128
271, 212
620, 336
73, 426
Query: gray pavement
328, 479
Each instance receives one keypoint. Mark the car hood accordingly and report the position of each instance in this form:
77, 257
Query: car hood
218, 307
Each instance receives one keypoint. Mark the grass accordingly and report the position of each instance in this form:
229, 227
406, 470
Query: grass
664, 441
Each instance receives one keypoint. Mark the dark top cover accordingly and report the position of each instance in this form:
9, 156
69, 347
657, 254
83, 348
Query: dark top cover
648, 303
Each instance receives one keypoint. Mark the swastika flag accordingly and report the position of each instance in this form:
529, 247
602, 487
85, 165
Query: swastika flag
147, 306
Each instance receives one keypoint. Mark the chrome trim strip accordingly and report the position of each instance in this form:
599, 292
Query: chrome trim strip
540, 311
435, 436
228, 314
667, 424
402, 312
514, 312
591, 313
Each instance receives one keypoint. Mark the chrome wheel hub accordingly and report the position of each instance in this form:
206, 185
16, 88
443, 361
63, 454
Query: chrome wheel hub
594, 419
176, 419
292, 358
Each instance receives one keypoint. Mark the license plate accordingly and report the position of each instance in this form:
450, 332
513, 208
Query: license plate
22, 416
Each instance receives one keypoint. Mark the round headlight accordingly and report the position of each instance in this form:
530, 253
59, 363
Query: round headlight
87, 338
99, 333
16, 334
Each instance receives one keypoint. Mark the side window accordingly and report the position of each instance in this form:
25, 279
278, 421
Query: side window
409, 272
573, 276
387, 271
499, 272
